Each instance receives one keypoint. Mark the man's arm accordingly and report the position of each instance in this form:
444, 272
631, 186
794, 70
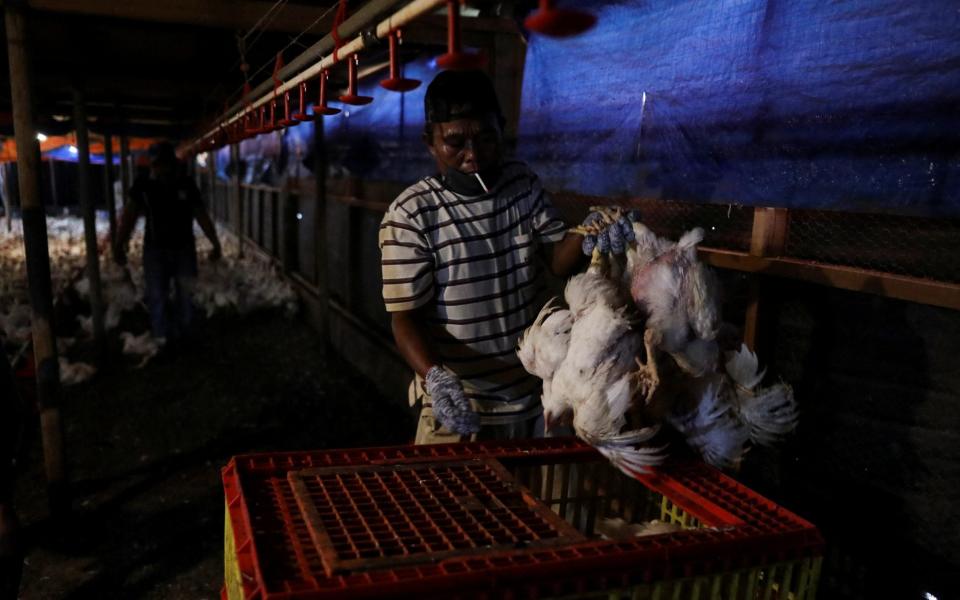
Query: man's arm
566, 256
208, 228
410, 334
128, 220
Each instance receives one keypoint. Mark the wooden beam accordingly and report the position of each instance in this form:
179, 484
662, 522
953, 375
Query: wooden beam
89, 225
38, 260
108, 187
223, 14
901, 287
769, 237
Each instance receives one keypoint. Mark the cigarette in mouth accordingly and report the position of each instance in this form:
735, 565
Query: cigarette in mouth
482, 184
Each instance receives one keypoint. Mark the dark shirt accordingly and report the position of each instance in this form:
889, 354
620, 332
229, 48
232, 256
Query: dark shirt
169, 208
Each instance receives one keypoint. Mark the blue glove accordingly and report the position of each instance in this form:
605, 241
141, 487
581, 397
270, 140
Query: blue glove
450, 405
614, 236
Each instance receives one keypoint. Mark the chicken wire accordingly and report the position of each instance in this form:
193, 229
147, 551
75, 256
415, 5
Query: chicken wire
914, 246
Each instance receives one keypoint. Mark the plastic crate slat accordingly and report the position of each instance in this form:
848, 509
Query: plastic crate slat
437, 523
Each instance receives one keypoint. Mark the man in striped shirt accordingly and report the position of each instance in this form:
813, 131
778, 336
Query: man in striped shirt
462, 259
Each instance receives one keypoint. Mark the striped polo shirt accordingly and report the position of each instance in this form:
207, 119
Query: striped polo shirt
473, 262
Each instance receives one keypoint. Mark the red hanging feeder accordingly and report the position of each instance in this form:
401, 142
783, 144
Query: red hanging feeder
559, 22
302, 115
397, 83
287, 120
351, 96
321, 107
455, 58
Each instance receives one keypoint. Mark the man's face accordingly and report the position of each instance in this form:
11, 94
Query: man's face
467, 145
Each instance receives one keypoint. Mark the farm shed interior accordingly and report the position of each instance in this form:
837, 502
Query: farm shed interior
816, 145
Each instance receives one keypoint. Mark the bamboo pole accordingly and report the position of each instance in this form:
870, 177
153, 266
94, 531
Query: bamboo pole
89, 222
53, 183
124, 170
38, 260
237, 197
108, 187
320, 232
7, 199
11, 434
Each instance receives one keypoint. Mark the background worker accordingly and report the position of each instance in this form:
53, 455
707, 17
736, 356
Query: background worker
462, 256
170, 201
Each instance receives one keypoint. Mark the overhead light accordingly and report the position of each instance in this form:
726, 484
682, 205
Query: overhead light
73, 150
61, 118
41, 137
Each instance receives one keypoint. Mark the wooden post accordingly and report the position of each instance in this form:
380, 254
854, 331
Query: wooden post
769, 239
237, 197
53, 183
38, 260
11, 434
7, 199
124, 170
108, 187
89, 222
320, 230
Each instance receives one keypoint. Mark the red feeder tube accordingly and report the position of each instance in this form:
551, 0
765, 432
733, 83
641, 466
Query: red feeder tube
321, 108
559, 22
396, 83
287, 120
301, 115
351, 96
455, 58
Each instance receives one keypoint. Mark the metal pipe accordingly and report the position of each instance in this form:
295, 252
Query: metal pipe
351, 26
398, 19
38, 260
89, 223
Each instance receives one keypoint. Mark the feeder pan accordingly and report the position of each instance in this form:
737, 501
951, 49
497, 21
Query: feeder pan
456, 59
322, 108
351, 96
302, 116
559, 22
273, 126
397, 83
287, 121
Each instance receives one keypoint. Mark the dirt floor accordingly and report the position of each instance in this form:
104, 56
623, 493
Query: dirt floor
145, 448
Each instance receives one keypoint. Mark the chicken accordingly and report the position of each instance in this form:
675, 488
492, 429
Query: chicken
679, 296
142, 345
589, 357
76, 372
721, 414
769, 414
586, 355
618, 529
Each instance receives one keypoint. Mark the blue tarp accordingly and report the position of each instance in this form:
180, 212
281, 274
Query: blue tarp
849, 105
798, 103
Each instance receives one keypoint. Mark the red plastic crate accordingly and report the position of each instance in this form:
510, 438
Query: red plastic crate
511, 519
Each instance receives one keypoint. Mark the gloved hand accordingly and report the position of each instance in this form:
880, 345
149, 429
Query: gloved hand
450, 405
608, 228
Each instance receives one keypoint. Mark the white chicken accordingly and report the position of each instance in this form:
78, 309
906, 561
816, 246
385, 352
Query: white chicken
679, 296
586, 356
72, 373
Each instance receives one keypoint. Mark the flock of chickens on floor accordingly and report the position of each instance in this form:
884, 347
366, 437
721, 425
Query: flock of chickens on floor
655, 301
232, 285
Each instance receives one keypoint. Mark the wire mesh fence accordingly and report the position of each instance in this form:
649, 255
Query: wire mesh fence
927, 248
915, 246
